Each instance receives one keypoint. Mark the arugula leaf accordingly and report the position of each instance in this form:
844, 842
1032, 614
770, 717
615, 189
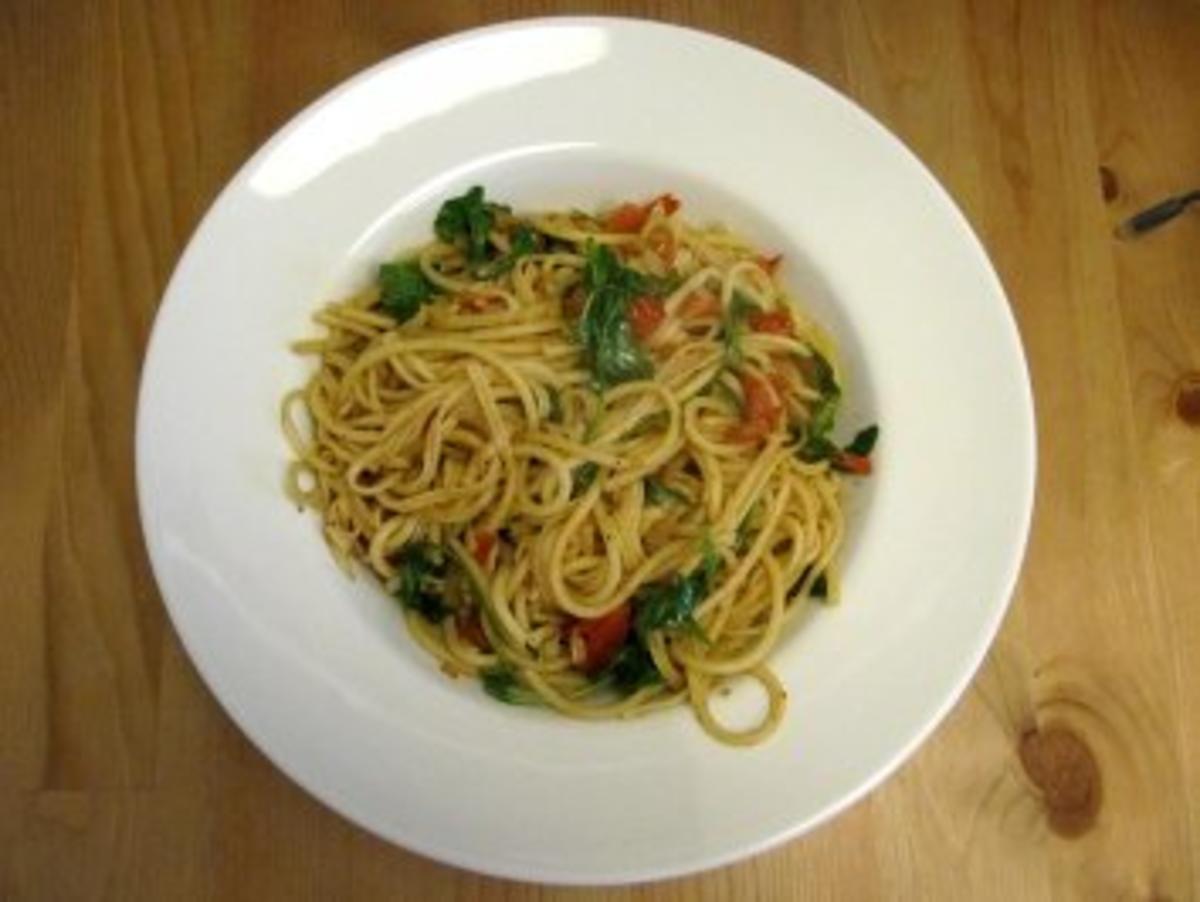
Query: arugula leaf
816, 448
815, 437
630, 669
664, 605
465, 221
658, 492
733, 326
821, 374
609, 349
824, 415
583, 477
601, 267
864, 442
403, 288
421, 569
671, 605
502, 683
524, 242
818, 589
817, 445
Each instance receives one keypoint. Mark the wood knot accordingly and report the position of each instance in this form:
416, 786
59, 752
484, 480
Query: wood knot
1109, 188
1064, 770
1187, 399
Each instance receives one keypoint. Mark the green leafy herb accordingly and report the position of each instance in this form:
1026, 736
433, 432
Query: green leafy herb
502, 683
864, 442
824, 415
465, 221
524, 242
630, 669
816, 448
820, 374
403, 288
733, 326
583, 476
818, 589
816, 444
609, 348
671, 605
421, 571
658, 492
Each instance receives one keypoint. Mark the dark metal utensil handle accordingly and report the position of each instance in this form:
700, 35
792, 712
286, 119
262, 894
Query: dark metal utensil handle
1153, 217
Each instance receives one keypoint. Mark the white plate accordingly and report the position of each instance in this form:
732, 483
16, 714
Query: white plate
319, 671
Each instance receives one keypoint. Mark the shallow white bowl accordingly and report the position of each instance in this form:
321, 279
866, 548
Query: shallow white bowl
319, 671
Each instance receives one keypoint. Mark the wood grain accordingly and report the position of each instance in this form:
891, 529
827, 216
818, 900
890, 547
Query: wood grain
1070, 770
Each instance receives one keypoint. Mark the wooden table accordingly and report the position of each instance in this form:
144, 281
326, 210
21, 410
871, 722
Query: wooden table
1071, 769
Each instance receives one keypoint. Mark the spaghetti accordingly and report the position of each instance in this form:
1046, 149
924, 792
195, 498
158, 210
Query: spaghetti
591, 455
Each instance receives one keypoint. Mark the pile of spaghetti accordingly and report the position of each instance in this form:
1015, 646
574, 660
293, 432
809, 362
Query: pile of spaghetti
592, 456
